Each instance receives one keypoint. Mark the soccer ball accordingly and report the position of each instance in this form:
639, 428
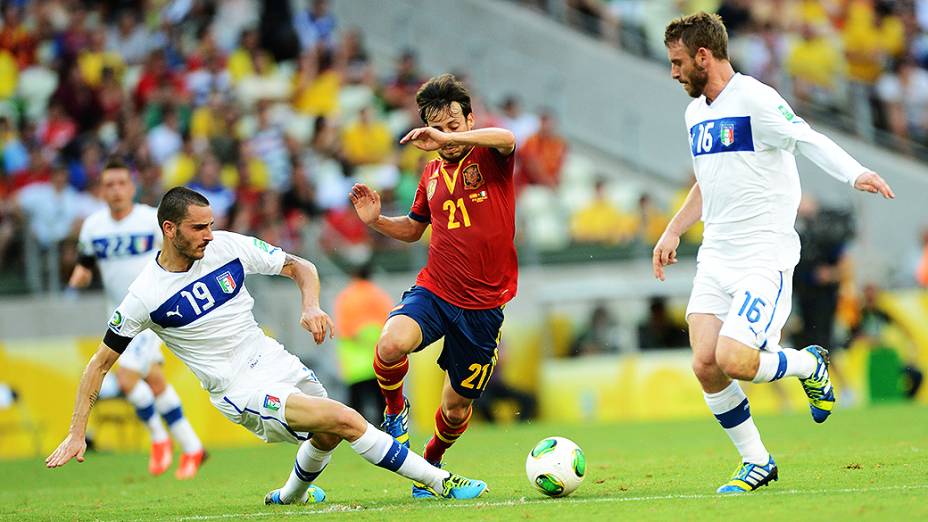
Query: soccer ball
556, 466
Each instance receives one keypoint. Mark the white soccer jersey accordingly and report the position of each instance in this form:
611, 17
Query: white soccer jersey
743, 147
203, 315
122, 248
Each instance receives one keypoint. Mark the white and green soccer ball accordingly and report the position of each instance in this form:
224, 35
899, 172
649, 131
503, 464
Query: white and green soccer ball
556, 466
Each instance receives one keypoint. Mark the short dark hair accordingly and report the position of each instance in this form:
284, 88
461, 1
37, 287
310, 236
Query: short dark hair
174, 203
115, 163
699, 30
439, 92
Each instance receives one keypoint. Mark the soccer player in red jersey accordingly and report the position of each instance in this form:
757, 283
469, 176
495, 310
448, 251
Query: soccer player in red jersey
467, 196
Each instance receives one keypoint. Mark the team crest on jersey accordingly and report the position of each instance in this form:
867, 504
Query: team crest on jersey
727, 134
472, 177
430, 191
271, 403
226, 282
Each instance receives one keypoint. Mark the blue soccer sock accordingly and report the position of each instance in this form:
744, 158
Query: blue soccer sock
785, 363
310, 461
731, 408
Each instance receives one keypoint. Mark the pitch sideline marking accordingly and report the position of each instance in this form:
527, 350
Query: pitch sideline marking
346, 508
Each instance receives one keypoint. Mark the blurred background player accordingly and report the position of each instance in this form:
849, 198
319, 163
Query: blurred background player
742, 138
361, 308
120, 239
467, 196
193, 295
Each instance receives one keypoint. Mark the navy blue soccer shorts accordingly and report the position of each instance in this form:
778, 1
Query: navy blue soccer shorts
471, 337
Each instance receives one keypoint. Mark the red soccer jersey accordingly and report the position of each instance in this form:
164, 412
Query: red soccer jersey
471, 206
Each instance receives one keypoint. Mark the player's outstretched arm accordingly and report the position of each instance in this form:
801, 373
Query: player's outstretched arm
366, 203
312, 318
665, 251
428, 138
74, 444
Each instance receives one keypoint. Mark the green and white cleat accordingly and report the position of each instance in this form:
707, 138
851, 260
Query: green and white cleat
457, 487
818, 387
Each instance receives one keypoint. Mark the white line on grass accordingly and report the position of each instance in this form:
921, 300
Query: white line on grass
347, 508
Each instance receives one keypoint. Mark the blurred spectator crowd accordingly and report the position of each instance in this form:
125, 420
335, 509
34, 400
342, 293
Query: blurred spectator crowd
860, 63
271, 109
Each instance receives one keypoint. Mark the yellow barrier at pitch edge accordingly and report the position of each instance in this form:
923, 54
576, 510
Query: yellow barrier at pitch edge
45, 374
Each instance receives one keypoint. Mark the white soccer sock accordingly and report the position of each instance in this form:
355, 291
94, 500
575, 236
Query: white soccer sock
785, 363
310, 461
730, 406
109, 388
168, 405
144, 401
382, 450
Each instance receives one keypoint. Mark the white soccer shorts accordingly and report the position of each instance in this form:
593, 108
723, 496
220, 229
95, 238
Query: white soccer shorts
143, 351
753, 305
257, 399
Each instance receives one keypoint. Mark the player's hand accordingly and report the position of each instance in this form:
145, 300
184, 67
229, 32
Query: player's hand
71, 447
873, 183
317, 322
427, 138
665, 253
366, 203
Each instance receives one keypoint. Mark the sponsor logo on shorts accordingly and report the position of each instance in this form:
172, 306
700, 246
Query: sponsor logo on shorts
271, 403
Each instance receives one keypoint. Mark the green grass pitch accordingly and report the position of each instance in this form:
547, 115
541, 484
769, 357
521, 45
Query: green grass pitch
863, 464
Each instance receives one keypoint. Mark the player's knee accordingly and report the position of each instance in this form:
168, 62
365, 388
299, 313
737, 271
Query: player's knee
456, 413
391, 349
706, 370
126, 380
348, 424
157, 384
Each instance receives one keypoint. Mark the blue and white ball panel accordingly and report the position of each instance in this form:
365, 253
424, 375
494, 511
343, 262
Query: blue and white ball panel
731, 134
143, 351
201, 297
257, 399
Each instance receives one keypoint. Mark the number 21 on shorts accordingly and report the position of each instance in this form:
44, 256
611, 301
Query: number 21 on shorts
751, 308
481, 373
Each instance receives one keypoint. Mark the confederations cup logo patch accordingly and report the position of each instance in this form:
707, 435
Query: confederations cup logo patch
430, 191
472, 177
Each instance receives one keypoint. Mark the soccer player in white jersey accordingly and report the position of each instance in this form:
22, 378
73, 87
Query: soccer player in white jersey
192, 295
121, 239
743, 137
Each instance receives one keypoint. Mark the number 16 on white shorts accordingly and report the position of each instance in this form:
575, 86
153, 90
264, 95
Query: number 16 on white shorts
752, 304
